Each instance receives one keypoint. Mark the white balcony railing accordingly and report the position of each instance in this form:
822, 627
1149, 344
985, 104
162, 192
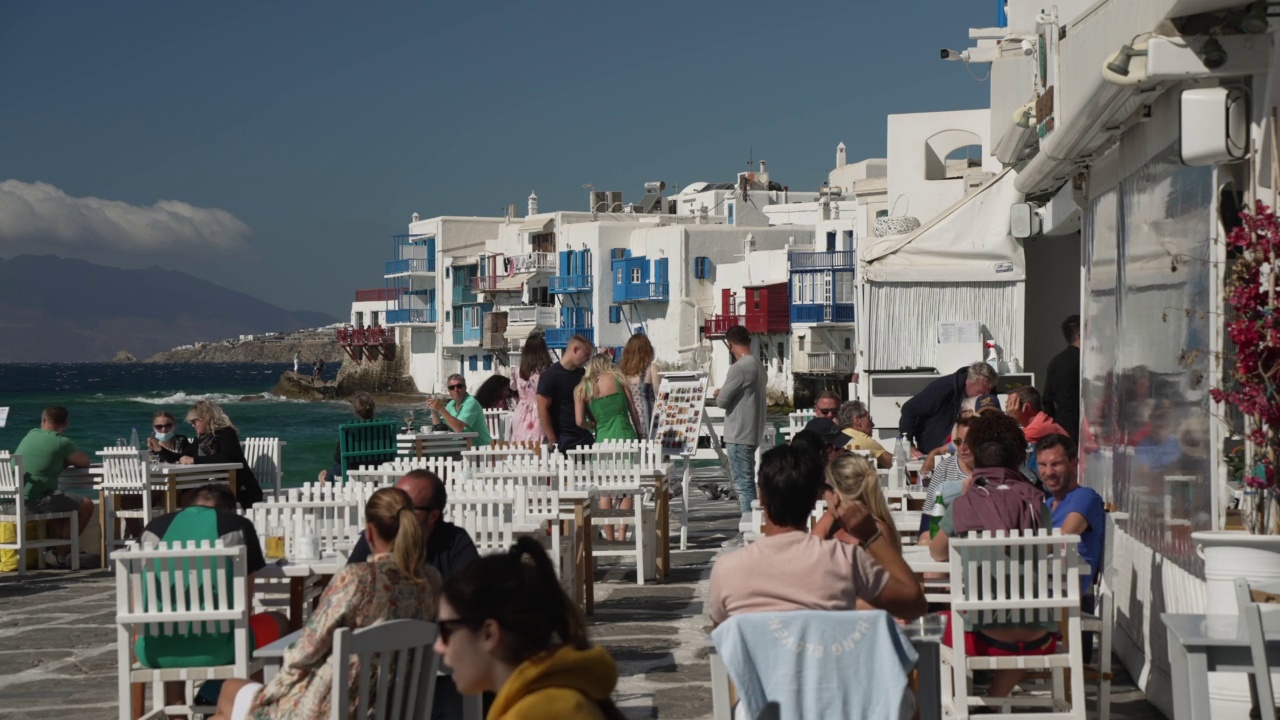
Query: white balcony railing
827, 363
535, 262
539, 315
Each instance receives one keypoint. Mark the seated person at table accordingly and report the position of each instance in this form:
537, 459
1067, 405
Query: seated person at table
495, 393
46, 452
212, 517
394, 584
855, 421
999, 498
165, 436
447, 547
463, 413
789, 569
852, 478
363, 405
835, 442
1076, 509
950, 476
217, 441
506, 625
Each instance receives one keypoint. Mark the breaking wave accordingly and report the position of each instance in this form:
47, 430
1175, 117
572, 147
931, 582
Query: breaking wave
182, 398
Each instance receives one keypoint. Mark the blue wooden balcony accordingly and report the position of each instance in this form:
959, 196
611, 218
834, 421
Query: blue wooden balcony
411, 316
558, 338
822, 313
465, 335
410, 266
833, 260
642, 292
464, 295
570, 284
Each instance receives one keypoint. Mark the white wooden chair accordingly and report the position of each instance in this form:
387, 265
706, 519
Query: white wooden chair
124, 475
796, 422
395, 673
487, 458
538, 514
388, 473
13, 510
496, 421
487, 519
1103, 619
1021, 578
263, 457
614, 472
179, 588
1260, 628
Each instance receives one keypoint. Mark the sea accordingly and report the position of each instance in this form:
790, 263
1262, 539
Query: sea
107, 401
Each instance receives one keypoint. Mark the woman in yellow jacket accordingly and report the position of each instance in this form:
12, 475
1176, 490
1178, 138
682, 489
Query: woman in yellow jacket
506, 626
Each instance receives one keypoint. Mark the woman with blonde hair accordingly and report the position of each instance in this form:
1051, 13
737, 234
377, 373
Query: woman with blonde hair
217, 441
641, 372
608, 397
396, 583
849, 478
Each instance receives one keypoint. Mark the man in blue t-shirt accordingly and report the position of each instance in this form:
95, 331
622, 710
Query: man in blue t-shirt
1076, 509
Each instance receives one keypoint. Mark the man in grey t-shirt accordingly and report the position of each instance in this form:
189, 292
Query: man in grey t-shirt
743, 398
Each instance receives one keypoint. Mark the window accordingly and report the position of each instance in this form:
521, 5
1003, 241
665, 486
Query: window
800, 340
764, 352
448, 315
373, 317
617, 278
615, 314
617, 254
488, 362
471, 362
882, 213
782, 348
844, 287
702, 268
539, 295
359, 320
831, 241
755, 298
848, 344
728, 211
635, 275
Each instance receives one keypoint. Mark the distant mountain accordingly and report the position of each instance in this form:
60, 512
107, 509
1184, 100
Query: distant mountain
58, 310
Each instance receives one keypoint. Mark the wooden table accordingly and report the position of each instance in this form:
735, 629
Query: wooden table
579, 508
299, 573
169, 478
662, 522
1199, 645
434, 443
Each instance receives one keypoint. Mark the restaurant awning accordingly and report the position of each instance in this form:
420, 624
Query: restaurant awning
537, 224
968, 242
514, 282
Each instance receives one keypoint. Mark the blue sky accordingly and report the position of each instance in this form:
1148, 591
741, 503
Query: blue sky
294, 138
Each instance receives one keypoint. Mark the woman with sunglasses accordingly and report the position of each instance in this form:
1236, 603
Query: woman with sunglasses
166, 437
506, 626
217, 441
395, 583
950, 475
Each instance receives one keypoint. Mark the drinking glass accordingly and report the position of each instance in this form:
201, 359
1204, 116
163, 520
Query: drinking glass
275, 542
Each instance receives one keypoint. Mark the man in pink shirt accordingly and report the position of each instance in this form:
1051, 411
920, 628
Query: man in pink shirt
1024, 405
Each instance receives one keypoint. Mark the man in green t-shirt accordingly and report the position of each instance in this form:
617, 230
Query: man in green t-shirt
463, 413
46, 452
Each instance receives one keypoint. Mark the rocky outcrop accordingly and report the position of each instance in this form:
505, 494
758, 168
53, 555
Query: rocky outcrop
297, 386
380, 377
271, 350
124, 356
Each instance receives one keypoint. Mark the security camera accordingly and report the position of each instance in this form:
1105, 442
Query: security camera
951, 54
1028, 47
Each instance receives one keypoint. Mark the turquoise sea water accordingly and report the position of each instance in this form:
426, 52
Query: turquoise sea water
107, 400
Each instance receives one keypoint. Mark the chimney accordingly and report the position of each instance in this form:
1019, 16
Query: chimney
511, 211
841, 157
533, 203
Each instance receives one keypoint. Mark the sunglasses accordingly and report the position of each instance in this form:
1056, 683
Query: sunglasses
826, 411
425, 508
448, 627
457, 387
163, 427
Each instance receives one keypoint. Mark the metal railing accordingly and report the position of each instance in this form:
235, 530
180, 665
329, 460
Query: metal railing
831, 363
534, 262
540, 315
818, 313
570, 283
636, 292
559, 337
412, 315
410, 265
379, 294
717, 325
831, 260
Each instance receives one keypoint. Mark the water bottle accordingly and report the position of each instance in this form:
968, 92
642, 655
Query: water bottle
900, 457
935, 518
133, 442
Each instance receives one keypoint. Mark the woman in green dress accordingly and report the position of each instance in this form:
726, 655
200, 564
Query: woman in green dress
607, 396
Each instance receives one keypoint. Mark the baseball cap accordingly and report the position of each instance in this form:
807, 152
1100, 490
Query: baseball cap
827, 429
987, 402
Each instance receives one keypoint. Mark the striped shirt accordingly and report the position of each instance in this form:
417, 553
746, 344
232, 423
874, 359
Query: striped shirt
944, 470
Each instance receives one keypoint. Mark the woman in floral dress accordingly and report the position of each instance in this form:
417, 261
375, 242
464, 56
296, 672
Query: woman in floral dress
395, 583
534, 358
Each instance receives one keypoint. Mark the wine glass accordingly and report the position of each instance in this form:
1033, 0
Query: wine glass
408, 420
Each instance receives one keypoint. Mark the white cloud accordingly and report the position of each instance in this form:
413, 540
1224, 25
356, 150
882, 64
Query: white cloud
40, 217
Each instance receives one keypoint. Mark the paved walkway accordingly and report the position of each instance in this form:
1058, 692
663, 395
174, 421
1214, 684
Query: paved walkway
58, 656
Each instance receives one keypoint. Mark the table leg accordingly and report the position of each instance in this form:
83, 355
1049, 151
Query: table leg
661, 503
589, 562
171, 495
102, 518
297, 586
930, 666
580, 533
418, 448
1189, 678
231, 480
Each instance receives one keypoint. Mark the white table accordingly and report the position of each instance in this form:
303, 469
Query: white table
300, 573
434, 443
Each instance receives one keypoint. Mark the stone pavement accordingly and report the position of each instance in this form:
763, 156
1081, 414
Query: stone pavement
57, 638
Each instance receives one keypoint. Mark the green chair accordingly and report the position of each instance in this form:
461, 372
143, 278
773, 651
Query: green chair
367, 443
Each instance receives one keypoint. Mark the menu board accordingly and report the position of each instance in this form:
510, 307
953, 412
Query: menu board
677, 412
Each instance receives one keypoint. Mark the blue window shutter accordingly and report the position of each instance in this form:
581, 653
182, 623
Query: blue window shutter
472, 362
566, 262
615, 314
660, 270
488, 362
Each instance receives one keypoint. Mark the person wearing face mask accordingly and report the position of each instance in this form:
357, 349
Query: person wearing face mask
165, 436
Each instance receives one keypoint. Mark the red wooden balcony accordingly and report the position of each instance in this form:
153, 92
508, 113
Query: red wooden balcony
379, 294
717, 325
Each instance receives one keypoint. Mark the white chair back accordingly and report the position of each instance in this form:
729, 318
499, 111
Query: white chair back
489, 457
648, 452
388, 473
262, 454
335, 513
10, 476
177, 588
13, 509
796, 422
394, 670
496, 421
487, 519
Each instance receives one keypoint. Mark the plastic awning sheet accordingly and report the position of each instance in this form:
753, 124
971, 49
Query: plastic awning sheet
537, 224
968, 242
515, 281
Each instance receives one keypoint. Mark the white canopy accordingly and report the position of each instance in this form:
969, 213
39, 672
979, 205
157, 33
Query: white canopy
967, 242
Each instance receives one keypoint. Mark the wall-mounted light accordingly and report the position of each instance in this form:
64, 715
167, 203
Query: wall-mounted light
1213, 54
1119, 63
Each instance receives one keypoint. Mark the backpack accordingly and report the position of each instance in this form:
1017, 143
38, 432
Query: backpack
999, 499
